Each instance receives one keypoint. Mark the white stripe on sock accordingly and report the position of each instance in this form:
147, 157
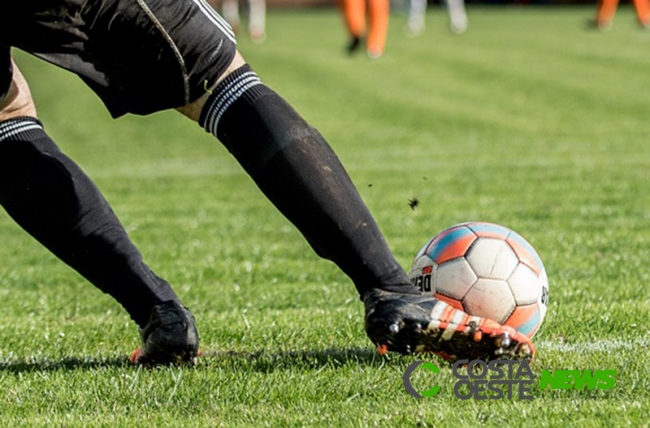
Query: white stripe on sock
225, 93
14, 129
227, 96
232, 99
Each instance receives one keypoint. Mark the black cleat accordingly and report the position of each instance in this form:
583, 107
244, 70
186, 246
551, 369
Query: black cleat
407, 324
170, 337
354, 45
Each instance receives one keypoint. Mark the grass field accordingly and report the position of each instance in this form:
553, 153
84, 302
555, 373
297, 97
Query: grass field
528, 120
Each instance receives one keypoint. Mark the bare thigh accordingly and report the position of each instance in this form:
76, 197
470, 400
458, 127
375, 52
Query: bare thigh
18, 101
193, 110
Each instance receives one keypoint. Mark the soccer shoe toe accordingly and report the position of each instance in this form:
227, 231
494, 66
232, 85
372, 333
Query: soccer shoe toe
353, 45
170, 337
394, 320
419, 324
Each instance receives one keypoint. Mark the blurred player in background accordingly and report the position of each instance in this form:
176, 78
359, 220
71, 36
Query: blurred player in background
607, 9
143, 57
256, 17
376, 31
417, 13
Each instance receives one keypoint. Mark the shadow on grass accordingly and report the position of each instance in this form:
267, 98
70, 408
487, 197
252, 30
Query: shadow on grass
68, 363
265, 361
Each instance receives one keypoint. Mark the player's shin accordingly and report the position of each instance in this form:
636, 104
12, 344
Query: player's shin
298, 171
47, 194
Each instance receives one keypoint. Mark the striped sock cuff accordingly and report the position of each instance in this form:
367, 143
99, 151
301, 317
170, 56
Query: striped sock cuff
241, 83
22, 128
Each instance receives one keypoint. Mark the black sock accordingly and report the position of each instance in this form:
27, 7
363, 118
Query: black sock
47, 194
298, 171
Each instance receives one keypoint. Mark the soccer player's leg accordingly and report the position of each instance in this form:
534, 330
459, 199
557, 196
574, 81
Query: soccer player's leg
354, 15
605, 14
642, 8
416, 17
457, 16
297, 170
48, 195
230, 12
257, 20
378, 15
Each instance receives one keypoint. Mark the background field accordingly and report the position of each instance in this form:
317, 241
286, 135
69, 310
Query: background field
529, 120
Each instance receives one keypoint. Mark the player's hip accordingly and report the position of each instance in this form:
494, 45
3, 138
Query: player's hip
129, 50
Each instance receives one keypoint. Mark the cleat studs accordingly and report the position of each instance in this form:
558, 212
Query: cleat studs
382, 349
503, 341
524, 350
478, 335
499, 351
394, 328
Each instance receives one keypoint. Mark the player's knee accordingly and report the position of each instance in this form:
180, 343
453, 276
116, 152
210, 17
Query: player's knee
252, 120
18, 101
194, 109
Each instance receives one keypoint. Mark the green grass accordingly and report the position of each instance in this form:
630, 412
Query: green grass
528, 120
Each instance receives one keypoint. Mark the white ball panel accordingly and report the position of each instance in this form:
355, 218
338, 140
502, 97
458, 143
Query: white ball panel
490, 298
525, 285
492, 258
543, 298
420, 263
542, 312
454, 278
543, 279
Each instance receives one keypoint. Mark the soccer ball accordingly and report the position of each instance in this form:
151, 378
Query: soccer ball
486, 270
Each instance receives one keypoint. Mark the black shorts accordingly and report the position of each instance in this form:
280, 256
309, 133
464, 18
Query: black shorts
5, 70
139, 56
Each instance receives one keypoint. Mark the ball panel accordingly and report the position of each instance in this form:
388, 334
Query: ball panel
525, 252
488, 230
525, 285
451, 302
492, 258
543, 282
526, 319
543, 298
489, 298
421, 273
421, 263
450, 244
454, 278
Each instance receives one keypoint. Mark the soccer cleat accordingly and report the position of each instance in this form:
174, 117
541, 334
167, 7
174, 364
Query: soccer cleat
407, 324
374, 53
353, 45
170, 337
416, 18
457, 16
599, 24
257, 36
